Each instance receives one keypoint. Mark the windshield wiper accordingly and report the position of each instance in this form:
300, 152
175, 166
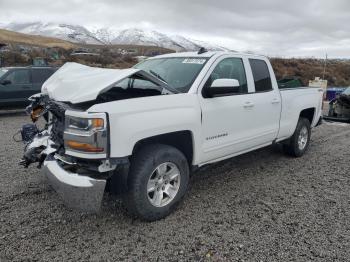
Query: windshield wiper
158, 76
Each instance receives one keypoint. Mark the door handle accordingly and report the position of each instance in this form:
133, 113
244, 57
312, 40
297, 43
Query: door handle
275, 101
248, 104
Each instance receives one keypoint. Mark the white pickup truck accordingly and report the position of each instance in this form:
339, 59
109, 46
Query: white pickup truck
141, 131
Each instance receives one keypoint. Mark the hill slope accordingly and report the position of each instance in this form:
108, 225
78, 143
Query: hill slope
141, 37
10, 37
337, 71
19, 38
107, 36
72, 33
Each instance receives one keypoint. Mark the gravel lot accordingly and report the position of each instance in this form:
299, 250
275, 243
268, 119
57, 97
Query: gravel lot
262, 206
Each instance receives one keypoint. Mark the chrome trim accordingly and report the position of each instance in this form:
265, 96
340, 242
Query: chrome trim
77, 191
62, 159
86, 155
82, 133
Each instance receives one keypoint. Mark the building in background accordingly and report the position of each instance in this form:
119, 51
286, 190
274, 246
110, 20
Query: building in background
319, 83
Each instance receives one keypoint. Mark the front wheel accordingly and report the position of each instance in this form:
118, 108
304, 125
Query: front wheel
298, 144
157, 181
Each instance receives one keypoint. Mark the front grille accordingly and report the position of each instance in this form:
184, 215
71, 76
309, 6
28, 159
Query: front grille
57, 130
57, 111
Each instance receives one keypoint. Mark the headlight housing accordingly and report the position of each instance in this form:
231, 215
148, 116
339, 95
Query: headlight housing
86, 135
84, 124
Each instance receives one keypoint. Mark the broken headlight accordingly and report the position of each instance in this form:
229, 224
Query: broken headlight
86, 134
84, 124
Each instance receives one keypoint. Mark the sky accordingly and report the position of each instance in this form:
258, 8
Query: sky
298, 28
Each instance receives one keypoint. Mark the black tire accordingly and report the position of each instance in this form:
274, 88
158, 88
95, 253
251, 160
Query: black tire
291, 147
143, 165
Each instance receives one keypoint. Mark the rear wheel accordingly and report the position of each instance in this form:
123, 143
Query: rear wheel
298, 144
157, 181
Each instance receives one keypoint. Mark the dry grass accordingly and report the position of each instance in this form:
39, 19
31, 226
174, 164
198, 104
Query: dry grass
19, 38
337, 72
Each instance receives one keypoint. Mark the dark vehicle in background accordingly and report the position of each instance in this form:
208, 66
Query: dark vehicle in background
17, 84
339, 108
289, 82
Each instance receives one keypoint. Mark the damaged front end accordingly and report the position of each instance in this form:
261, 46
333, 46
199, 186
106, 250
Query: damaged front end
339, 108
72, 149
40, 143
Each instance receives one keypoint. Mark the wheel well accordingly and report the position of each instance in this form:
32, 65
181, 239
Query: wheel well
182, 140
308, 114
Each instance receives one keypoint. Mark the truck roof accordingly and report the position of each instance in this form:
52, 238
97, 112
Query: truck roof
207, 54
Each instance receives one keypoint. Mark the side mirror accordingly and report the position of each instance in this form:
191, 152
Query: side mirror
221, 87
225, 82
5, 82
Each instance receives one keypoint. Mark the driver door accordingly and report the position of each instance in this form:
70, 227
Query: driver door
228, 118
16, 86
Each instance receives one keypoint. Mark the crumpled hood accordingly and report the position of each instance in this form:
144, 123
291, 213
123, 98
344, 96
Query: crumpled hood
76, 83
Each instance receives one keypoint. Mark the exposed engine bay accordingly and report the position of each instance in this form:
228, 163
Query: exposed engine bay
48, 143
39, 144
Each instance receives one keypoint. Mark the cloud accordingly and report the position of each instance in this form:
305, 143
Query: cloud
272, 27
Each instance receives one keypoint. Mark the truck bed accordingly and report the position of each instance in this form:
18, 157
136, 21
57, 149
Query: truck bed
294, 99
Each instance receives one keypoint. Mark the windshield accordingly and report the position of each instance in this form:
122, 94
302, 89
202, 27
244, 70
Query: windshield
347, 91
177, 72
2, 72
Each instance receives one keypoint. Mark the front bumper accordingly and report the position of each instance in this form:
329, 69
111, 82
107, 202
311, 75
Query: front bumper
77, 190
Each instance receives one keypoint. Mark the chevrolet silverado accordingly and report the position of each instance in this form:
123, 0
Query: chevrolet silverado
141, 131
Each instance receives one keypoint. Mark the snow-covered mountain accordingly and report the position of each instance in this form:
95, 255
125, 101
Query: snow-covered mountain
185, 42
104, 34
142, 37
209, 46
132, 36
73, 33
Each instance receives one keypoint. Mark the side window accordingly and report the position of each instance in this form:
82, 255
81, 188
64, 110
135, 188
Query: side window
41, 75
261, 75
143, 84
19, 77
136, 83
230, 68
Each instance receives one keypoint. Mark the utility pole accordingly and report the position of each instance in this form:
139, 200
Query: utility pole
324, 67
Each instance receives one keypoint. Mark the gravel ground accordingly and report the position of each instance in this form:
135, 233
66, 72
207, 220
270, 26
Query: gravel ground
262, 206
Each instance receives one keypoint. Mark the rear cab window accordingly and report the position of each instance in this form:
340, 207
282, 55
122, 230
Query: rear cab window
261, 75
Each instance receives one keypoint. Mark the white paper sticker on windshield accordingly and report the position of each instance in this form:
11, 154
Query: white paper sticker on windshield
194, 61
